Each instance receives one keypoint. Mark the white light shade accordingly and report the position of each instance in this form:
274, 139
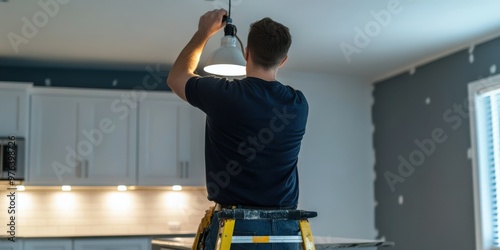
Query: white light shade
227, 60
20, 188
66, 188
177, 187
121, 188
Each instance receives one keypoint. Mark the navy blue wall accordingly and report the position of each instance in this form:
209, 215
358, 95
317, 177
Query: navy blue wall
421, 138
150, 78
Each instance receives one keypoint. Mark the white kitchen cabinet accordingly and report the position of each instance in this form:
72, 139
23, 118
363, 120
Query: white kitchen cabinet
197, 148
112, 244
165, 142
13, 111
81, 139
112, 158
47, 244
54, 125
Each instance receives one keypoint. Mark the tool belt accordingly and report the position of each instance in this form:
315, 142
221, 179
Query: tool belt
202, 232
228, 214
199, 241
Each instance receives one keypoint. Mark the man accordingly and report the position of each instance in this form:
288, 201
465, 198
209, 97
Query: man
254, 128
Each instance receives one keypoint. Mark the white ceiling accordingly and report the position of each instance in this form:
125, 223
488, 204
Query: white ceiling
147, 32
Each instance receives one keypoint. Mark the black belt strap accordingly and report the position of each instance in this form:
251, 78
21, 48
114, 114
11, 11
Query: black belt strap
249, 214
256, 207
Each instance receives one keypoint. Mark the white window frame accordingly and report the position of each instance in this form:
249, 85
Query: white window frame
482, 193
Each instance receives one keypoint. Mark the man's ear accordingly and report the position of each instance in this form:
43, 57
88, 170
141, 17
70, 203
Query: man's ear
283, 62
246, 54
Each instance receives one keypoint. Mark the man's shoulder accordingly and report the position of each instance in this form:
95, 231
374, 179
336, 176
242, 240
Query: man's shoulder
298, 93
209, 85
207, 80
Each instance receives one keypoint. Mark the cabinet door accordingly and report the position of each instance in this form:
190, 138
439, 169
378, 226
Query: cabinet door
194, 150
53, 140
47, 244
184, 139
112, 244
12, 112
110, 139
9, 245
158, 142
192, 145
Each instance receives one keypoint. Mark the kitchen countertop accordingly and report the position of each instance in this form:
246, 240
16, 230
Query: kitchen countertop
320, 243
173, 243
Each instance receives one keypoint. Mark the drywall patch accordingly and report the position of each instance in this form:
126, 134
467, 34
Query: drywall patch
493, 69
428, 101
471, 54
401, 200
413, 70
471, 58
471, 49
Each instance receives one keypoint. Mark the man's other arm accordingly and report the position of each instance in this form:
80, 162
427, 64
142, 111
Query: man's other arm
187, 61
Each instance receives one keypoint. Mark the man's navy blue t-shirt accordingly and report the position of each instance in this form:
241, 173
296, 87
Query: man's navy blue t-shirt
253, 133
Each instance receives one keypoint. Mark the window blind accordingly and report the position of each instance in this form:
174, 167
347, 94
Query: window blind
492, 130
484, 97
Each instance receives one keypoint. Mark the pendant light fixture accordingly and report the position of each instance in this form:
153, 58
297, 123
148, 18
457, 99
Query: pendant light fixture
227, 60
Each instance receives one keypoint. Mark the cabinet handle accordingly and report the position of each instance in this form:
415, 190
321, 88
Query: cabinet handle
86, 169
78, 169
182, 169
187, 169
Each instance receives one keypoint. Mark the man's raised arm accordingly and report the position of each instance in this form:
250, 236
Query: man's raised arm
187, 61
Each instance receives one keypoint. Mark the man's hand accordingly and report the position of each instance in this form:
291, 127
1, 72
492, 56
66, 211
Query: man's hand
185, 65
211, 22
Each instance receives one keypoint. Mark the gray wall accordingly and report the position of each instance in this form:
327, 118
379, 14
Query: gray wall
435, 185
336, 158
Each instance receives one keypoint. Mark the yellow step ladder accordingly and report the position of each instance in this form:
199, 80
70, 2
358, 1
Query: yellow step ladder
228, 217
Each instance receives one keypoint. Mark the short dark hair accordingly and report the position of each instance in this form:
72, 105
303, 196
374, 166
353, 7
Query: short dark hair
268, 42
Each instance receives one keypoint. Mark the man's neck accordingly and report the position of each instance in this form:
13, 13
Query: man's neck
266, 75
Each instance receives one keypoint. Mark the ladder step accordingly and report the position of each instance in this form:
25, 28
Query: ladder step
267, 239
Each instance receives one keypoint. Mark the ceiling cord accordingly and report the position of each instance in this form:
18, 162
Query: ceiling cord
239, 40
241, 45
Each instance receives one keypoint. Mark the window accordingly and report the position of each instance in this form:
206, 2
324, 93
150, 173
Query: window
484, 99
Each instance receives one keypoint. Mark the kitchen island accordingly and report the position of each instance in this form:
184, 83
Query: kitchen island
185, 243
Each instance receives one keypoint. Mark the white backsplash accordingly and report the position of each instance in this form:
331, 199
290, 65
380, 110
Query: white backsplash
97, 212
